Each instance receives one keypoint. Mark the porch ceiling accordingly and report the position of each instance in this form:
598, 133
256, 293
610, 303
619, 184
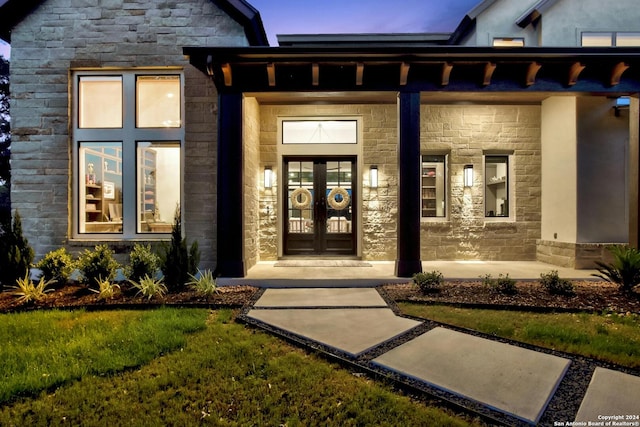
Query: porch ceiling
437, 70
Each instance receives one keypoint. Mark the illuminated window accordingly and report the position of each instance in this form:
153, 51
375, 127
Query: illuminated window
627, 39
508, 42
496, 186
434, 187
319, 132
100, 102
605, 39
127, 184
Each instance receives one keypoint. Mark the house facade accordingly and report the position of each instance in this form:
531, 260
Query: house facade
504, 140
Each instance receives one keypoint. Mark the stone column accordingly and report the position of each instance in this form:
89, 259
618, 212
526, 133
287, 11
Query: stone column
408, 259
230, 238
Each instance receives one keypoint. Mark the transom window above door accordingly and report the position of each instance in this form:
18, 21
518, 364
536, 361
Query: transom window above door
319, 132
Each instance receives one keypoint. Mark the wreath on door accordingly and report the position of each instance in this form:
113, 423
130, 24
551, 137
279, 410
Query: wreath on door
301, 198
342, 202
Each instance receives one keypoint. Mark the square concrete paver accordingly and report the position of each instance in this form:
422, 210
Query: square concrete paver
511, 379
321, 297
350, 330
611, 393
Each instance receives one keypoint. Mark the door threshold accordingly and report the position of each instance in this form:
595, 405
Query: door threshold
319, 257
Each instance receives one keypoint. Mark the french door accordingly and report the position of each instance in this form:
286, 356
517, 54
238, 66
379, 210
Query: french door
320, 212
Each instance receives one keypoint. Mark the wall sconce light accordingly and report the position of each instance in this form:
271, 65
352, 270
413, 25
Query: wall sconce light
268, 177
468, 175
373, 177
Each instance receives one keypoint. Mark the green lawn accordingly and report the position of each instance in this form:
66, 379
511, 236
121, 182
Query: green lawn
207, 370
610, 337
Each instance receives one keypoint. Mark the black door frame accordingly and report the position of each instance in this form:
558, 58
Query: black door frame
320, 242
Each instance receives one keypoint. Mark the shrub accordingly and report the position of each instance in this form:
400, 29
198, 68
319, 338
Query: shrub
204, 283
15, 253
624, 270
176, 262
149, 287
428, 282
106, 289
27, 291
555, 285
503, 284
97, 265
57, 266
142, 262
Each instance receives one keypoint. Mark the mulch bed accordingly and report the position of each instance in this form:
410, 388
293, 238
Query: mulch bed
79, 296
589, 296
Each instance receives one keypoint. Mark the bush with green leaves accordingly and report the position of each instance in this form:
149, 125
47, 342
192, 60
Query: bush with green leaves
555, 285
16, 255
142, 262
428, 281
203, 283
176, 261
502, 284
57, 266
149, 287
624, 271
27, 291
96, 265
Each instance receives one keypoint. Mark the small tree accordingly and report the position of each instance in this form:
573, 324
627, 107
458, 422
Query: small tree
15, 253
178, 262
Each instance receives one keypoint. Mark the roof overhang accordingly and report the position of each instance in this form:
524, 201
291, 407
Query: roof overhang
421, 69
532, 15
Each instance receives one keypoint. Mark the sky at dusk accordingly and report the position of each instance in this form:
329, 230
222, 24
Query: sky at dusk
353, 16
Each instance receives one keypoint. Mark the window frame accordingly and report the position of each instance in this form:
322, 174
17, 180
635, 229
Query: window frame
613, 38
445, 189
508, 42
129, 136
510, 187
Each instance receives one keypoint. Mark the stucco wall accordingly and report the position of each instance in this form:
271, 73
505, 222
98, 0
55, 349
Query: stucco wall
499, 20
467, 133
63, 34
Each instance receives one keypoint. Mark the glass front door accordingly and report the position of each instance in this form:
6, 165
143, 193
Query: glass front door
320, 210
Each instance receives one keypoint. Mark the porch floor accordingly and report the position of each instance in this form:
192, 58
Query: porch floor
334, 273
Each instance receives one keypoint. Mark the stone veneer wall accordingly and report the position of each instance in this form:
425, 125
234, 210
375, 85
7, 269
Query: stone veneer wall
251, 147
573, 255
466, 133
63, 34
379, 207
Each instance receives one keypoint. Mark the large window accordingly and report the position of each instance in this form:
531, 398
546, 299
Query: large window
434, 200
128, 138
496, 186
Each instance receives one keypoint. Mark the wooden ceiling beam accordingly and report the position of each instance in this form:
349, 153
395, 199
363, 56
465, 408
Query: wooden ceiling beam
315, 74
226, 72
446, 73
271, 74
489, 68
359, 73
532, 72
574, 73
616, 73
404, 73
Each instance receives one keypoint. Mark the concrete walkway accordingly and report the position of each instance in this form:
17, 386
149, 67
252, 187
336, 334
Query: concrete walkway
507, 383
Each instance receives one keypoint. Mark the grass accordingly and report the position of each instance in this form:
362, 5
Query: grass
43, 349
226, 375
609, 337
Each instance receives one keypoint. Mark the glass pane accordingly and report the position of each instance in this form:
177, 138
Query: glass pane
596, 39
158, 186
496, 186
100, 102
433, 186
628, 39
100, 201
158, 102
339, 197
319, 132
300, 197
508, 42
